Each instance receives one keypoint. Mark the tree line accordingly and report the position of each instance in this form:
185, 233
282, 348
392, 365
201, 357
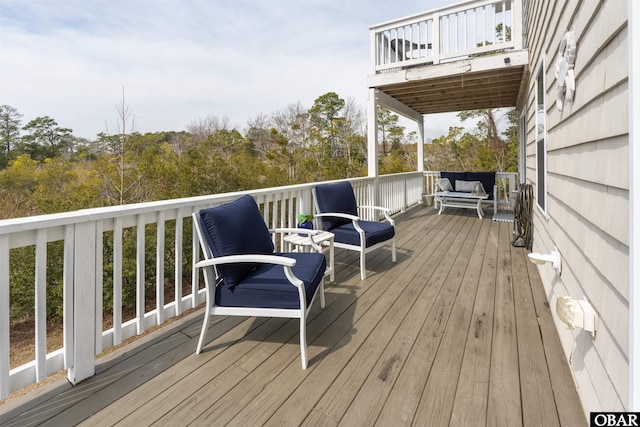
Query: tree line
44, 168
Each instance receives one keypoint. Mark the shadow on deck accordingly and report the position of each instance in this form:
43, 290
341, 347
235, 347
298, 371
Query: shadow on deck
457, 332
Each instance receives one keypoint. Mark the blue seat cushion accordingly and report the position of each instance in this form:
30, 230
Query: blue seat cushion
236, 228
268, 287
337, 198
375, 232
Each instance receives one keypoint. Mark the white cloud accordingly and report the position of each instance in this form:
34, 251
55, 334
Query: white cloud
182, 60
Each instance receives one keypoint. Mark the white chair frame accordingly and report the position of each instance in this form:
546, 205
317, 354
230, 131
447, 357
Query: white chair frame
355, 219
210, 274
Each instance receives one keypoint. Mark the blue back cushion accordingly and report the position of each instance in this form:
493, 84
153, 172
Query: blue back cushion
236, 228
453, 176
337, 198
488, 180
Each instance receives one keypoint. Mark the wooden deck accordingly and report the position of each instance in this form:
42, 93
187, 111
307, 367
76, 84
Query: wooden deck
457, 332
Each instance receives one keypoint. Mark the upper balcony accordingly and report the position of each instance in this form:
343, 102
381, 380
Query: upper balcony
463, 57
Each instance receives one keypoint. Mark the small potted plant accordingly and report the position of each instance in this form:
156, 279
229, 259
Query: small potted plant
305, 221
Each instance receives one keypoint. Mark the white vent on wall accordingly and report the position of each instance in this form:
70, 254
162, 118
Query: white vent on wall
577, 314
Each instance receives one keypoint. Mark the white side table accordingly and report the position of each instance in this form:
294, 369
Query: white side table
296, 242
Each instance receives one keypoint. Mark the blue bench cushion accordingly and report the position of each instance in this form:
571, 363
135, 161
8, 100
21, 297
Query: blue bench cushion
268, 287
375, 232
236, 228
337, 198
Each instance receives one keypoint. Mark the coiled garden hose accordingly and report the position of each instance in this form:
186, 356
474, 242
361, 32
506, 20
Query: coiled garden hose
522, 224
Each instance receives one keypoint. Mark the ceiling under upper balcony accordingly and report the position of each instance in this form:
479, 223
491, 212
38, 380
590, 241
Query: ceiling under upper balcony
484, 82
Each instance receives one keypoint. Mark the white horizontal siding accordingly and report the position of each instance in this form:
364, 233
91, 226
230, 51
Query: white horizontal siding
588, 183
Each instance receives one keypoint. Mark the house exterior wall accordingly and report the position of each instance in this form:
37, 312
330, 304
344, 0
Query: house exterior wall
588, 175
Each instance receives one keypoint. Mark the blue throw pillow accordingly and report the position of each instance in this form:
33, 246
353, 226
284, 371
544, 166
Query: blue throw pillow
236, 228
338, 198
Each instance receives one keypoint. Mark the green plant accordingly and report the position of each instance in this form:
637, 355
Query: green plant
304, 217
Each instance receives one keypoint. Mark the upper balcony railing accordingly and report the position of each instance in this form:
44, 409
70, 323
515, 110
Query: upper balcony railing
146, 250
454, 32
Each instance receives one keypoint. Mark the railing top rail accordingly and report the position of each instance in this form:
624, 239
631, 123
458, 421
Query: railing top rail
459, 31
445, 10
13, 225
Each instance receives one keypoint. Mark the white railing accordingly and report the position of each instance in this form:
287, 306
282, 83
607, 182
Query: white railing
93, 242
507, 183
449, 33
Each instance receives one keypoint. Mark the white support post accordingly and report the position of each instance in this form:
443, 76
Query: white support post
160, 268
67, 294
435, 46
195, 272
421, 141
84, 309
178, 263
140, 273
516, 22
117, 281
372, 133
4, 317
99, 285
41, 304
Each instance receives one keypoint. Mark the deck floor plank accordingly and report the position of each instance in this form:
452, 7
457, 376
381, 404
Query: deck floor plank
470, 401
505, 403
537, 396
448, 335
438, 396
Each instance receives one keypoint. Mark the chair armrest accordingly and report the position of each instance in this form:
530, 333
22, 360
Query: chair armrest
384, 210
263, 259
354, 219
378, 208
340, 215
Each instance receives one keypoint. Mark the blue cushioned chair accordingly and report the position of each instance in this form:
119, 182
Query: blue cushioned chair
335, 205
244, 277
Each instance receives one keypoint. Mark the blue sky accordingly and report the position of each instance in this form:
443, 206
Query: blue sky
180, 61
